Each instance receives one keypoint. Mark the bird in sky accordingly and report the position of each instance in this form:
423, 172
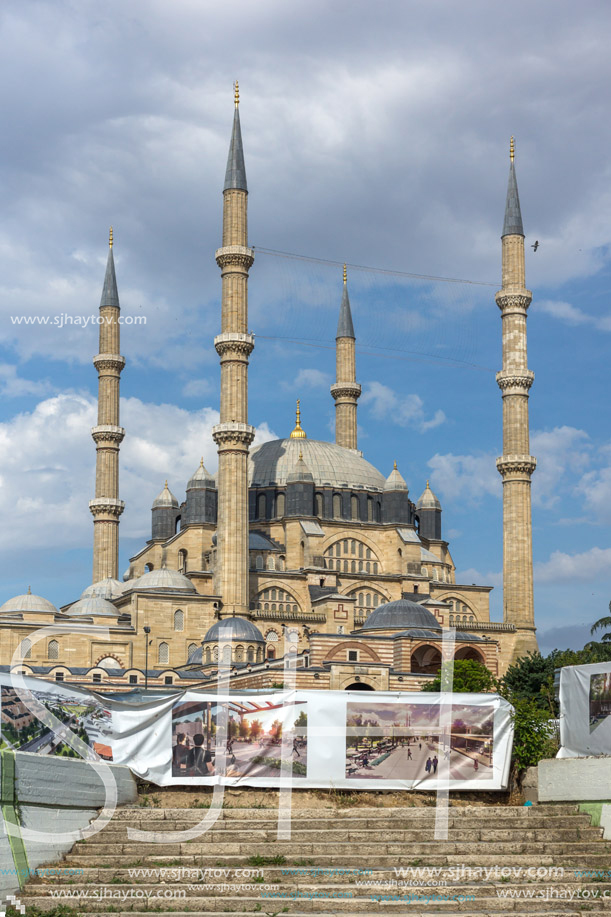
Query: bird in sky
535, 245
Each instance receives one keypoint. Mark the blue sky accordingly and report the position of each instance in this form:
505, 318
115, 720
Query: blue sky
375, 135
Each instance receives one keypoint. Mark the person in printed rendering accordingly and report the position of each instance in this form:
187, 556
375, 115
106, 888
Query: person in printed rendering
199, 762
180, 753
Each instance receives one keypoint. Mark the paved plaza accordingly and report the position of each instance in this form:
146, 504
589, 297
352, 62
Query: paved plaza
399, 766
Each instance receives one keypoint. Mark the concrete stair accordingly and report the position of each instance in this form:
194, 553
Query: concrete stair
495, 861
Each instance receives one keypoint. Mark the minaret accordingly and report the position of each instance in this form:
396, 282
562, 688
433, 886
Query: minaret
233, 435
346, 390
516, 465
107, 435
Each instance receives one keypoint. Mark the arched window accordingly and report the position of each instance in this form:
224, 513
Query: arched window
280, 505
182, 561
424, 571
179, 620
369, 509
239, 653
378, 511
319, 504
354, 507
250, 654
451, 620
361, 548
259, 562
177, 525
148, 568
271, 652
271, 562
259, 654
53, 651
337, 506
375, 568
353, 566
25, 648
227, 655
361, 598
368, 600
261, 506
163, 654
191, 649
208, 655
281, 560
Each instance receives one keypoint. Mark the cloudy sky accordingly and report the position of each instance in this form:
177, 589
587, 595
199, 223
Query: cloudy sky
375, 134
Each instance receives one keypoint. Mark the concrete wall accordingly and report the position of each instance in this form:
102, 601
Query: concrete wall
55, 795
574, 779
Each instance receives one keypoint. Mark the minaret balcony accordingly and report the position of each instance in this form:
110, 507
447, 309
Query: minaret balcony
234, 256
515, 383
106, 506
517, 467
234, 342
349, 390
107, 433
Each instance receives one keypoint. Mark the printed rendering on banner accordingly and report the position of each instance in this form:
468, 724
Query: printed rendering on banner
82, 715
600, 698
254, 737
405, 741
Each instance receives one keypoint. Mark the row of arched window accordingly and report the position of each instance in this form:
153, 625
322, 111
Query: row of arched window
275, 599
260, 562
374, 507
240, 654
466, 619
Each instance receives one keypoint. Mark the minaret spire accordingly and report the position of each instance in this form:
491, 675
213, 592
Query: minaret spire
233, 435
107, 435
346, 390
516, 465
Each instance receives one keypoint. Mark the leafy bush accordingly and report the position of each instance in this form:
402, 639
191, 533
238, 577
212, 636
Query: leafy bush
469, 676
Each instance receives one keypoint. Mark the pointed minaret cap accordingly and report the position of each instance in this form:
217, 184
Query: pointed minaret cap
512, 225
428, 500
345, 328
165, 498
300, 472
110, 295
298, 433
235, 175
201, 478
395, 480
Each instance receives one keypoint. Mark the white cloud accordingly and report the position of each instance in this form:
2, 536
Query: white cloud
573, 315
47, 459
559, 452
13, 386
595, 489
195, 388
589, 565
465, 477
311, 378
403, 410
467, 577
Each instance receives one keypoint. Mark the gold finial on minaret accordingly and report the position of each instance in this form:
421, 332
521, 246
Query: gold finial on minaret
394, 466
166, 484
427, 484
345, 274
511, 149
236, 93
300, 456
110, 238
298, 433
29, 590
201, 462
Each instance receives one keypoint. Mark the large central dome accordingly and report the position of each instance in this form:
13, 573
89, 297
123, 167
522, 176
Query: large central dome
331, 465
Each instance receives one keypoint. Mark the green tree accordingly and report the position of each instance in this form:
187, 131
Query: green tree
469, 676
603, 622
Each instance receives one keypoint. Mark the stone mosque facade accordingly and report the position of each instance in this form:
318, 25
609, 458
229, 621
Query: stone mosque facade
297, 550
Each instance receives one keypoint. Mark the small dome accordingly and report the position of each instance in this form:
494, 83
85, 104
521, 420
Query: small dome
241, 629
300, 472
201, 478
395, 480
428, 500
165, 498
401, 615
92, 606
28, 602
164, 580
196, 656
108, 588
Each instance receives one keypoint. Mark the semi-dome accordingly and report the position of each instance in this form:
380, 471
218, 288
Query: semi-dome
428, 500
108, 588
92, 606
28, 602
165, 498
241, 629
164, 580
329, 464
202, 478
401, 615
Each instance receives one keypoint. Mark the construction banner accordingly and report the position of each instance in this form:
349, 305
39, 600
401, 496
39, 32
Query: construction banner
585, 710
352, 740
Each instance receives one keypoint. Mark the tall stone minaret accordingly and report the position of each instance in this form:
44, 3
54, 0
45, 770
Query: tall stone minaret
346, 390
516, 465
107, 435
233, 435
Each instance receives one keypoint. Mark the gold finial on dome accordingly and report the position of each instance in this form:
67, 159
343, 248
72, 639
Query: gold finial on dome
511, 150
236, 93
29, 590
427, 484
345, 274
166, 484
110, 238
201, 462
394, 466
298, 433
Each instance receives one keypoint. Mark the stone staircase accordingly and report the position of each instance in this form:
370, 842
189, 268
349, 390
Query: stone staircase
343, 861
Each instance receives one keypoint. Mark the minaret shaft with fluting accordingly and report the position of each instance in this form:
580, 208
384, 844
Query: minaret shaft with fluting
107, 435
516, 465
233, 434
346, 390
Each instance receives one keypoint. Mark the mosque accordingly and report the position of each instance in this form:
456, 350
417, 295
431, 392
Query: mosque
298, 553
